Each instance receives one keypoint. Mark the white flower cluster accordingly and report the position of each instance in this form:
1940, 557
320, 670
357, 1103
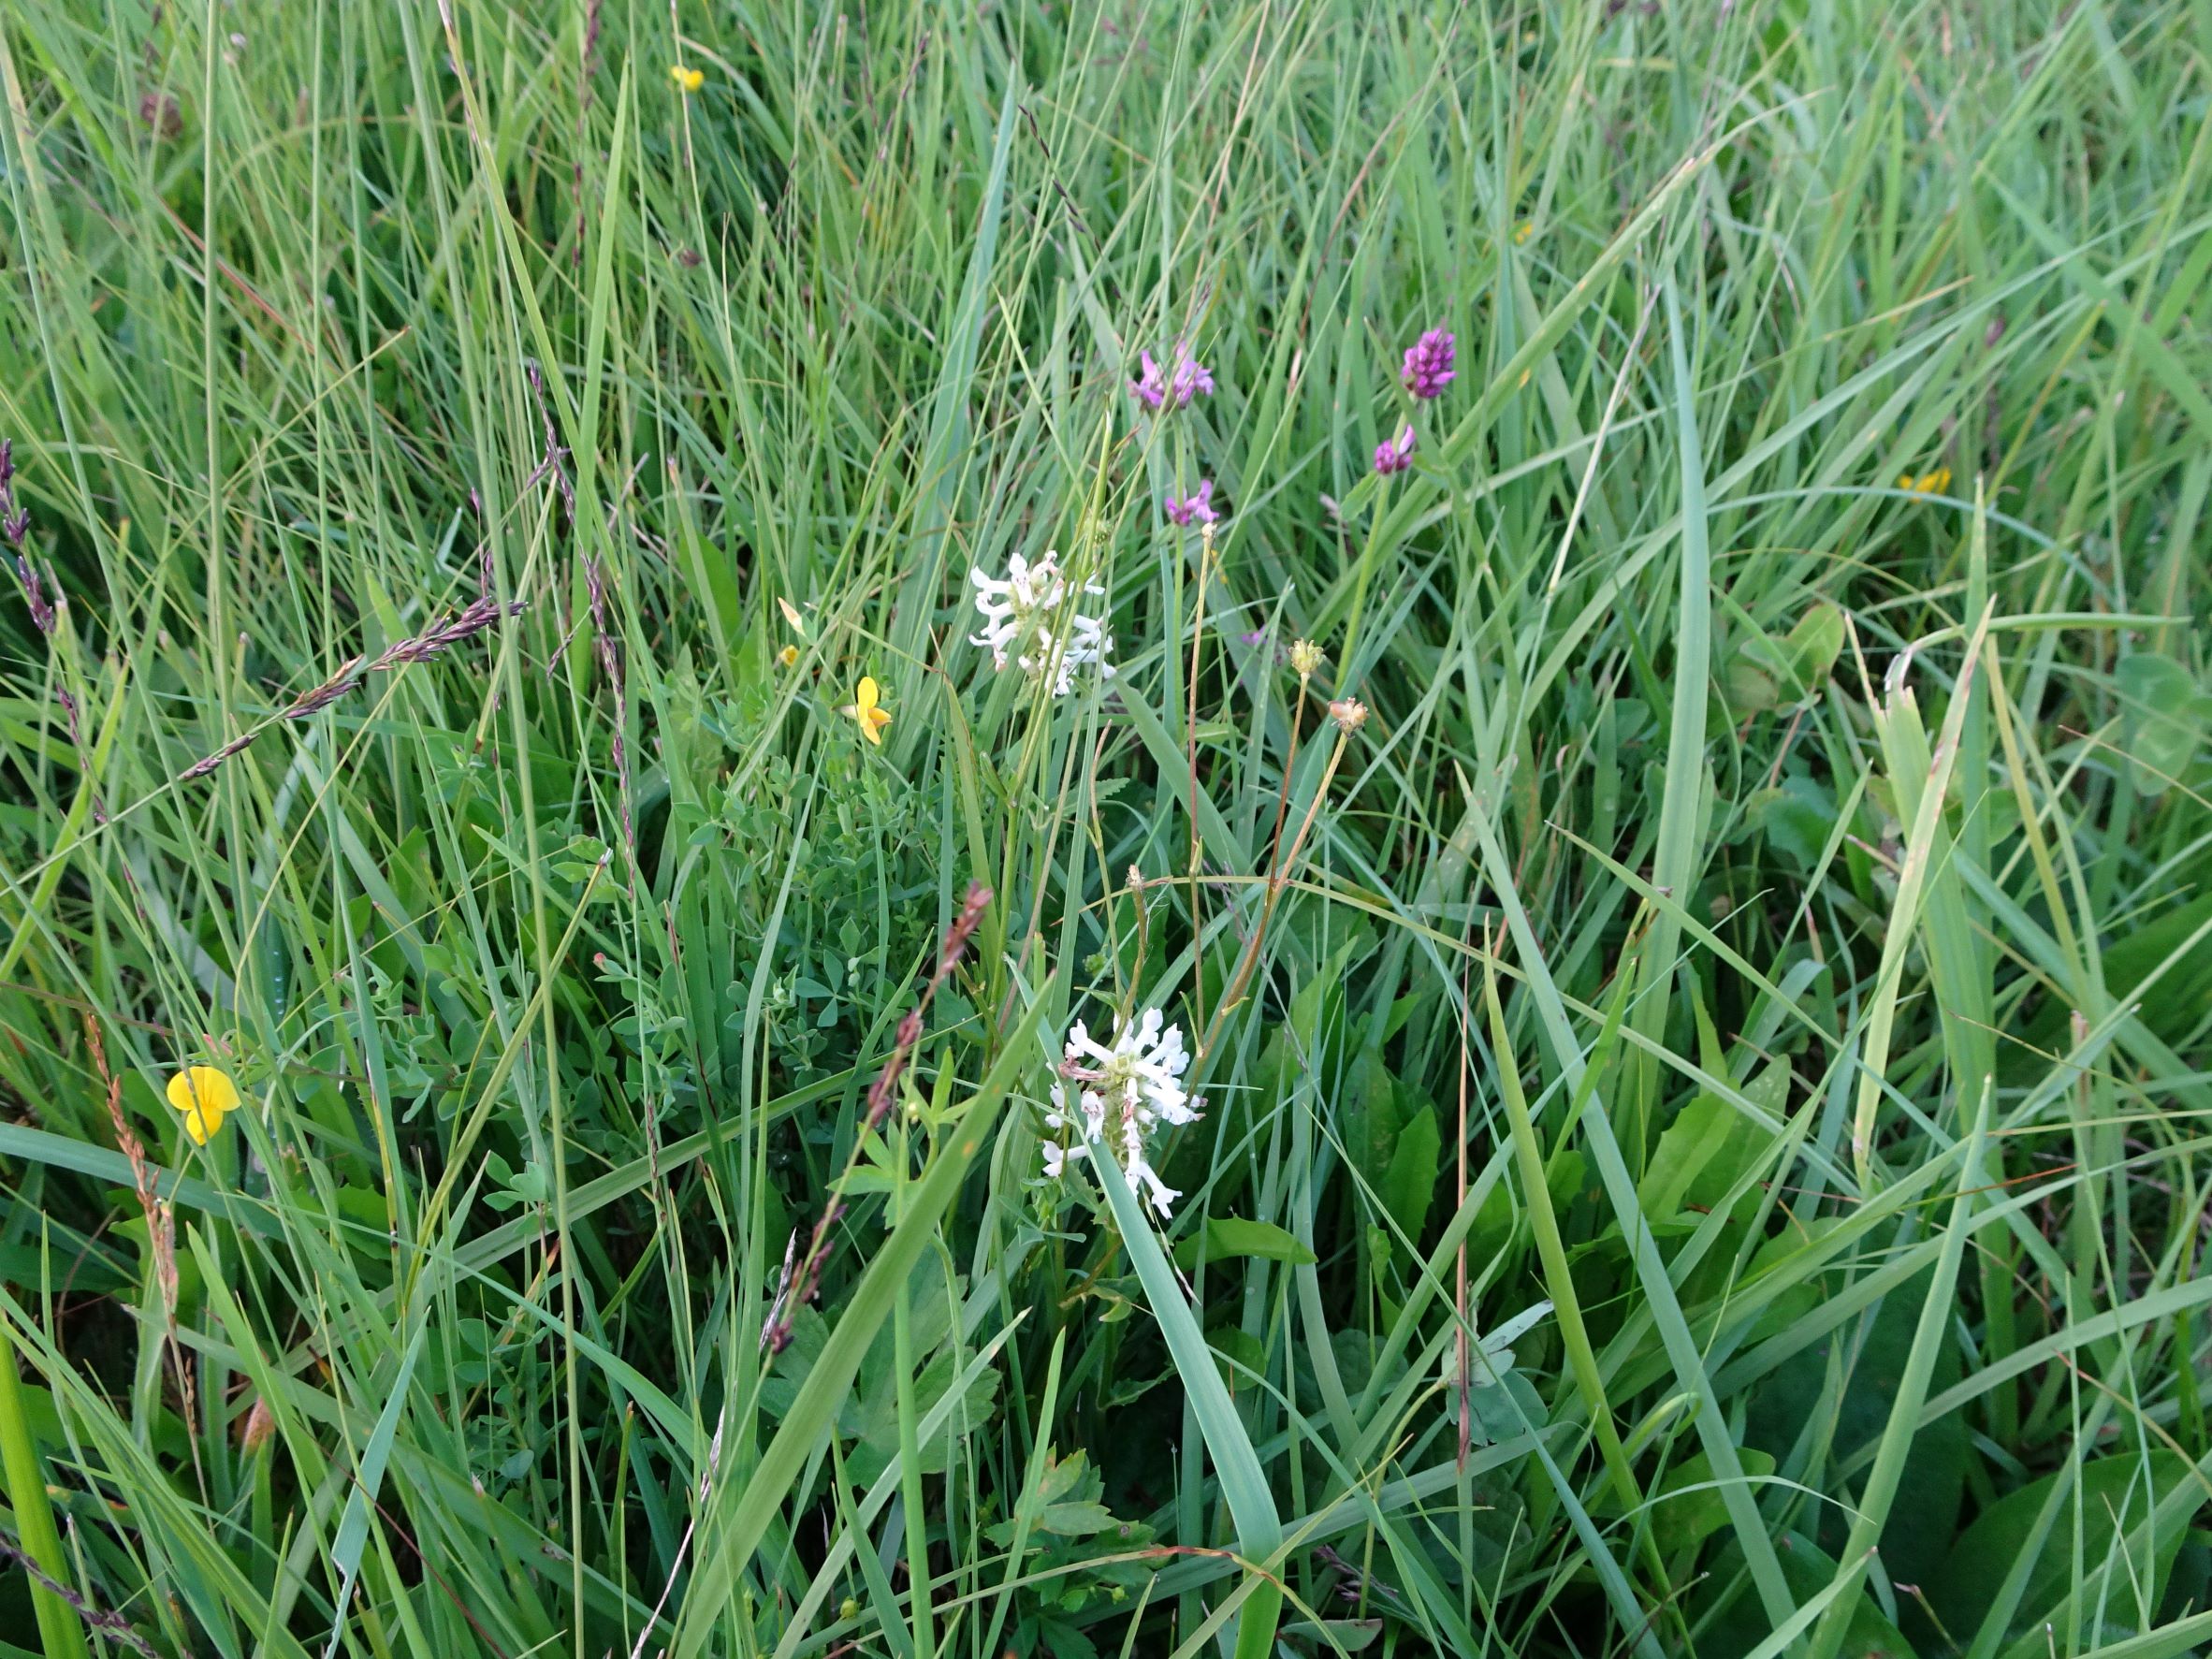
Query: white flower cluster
1022, 623
1124, 1089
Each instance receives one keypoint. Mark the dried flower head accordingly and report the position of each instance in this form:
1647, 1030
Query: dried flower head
1195, 508
1428, 364
1348, 713
1396, 455
159, 112
1125, 1090
1030, 622
260, 1426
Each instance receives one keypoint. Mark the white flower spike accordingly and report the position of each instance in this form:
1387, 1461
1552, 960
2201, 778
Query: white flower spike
1126, 1089
1023, 626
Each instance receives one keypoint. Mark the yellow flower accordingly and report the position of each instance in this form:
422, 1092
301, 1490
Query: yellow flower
864, 708
688, 81
205, 1096
1525, 230
789, 656
1928, 483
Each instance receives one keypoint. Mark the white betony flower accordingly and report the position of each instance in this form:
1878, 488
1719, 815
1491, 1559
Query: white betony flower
1127, 1087
1023, 625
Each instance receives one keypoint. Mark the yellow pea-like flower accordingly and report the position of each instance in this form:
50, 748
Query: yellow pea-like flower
205, 1096
789, 656
687, 79
864, 709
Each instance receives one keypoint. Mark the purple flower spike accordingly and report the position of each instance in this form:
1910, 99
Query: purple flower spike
1396, 456
1184, 380
1149, 388
1195, 508
1428, 364
1189, 378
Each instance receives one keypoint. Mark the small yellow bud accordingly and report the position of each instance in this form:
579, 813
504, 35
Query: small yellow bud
848, 1610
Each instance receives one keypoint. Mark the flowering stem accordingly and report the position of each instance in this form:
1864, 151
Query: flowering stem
1198, 632
1277, 879
800, 1288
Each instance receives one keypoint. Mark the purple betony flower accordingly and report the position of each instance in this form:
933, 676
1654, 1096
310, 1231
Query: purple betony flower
1195, 508
1396, 455
1185, 378
1428, 364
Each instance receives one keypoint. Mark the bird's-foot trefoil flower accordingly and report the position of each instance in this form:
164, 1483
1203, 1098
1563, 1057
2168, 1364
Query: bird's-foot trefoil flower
205, 1096
866, 710
1928, 483
1183, 379
1030, 622
1195, 508
1125, 1090
1396, 455
688, 79
1428, 364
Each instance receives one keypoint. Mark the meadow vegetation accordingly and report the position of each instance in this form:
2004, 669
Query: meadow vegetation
1598, 1040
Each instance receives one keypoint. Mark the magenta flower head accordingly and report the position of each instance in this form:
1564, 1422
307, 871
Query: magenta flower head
1184, 380
1195, 508
1395, 456
1428, 364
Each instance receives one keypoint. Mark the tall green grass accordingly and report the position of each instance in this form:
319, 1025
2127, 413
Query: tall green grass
1704, 1088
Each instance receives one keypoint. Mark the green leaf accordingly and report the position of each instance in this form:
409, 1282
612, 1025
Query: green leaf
1224, 1236
1687, 1507
2115, 1496
1409, 1183
1243, 1482
2164, 718
1741, 1628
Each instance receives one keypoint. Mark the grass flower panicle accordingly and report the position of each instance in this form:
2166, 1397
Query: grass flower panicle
1024, 626
1126, 1089
1195, 508
1395, 455
1428, 364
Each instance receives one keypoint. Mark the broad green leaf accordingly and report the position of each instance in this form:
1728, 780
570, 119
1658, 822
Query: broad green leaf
1224, 1236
